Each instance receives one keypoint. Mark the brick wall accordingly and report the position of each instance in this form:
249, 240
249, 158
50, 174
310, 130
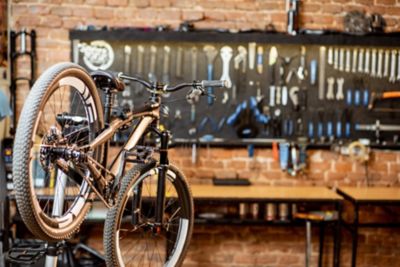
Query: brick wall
233, 246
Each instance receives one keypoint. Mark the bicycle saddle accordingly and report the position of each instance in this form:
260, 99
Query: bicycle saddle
107, 79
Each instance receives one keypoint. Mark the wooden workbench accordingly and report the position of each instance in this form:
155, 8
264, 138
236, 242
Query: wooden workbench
377, 196
264, 193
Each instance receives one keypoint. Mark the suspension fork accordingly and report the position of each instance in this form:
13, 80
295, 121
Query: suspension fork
162, 175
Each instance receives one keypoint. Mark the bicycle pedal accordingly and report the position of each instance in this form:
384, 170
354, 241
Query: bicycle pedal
26, 253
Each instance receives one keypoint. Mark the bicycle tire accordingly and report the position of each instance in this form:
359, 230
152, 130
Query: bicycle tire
116, 254
73, 80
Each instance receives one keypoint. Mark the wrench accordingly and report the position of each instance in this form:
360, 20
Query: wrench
373, 63
336, 58
392, 77
380, 63
226, 55
194, 63
330, 94
241, 58
139, 68
360, 60
179, 62
348, 55
330, 55
398, 66
386, 66
211, 52
153, 57
165, 77
339, 93
366, 66
321, 73
341, 59
284, 95
252, 55
354, 66
127, 63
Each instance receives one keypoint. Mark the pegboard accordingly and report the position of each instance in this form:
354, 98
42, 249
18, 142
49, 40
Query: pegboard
286, 121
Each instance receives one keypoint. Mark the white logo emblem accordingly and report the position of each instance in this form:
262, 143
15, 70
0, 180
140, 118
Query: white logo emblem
97, 55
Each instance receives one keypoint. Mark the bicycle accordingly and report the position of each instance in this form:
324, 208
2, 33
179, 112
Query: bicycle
60, 165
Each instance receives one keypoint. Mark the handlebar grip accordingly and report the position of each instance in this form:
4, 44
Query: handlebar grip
213, 83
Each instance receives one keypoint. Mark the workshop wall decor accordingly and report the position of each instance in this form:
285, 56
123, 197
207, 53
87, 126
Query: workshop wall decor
321, 90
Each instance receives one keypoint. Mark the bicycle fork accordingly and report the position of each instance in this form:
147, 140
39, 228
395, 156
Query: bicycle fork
161, 184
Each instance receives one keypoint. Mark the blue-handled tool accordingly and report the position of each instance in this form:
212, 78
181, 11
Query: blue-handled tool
357, 97
365, 98
339, 129
211, 52
348, 97
310, 130
284, 155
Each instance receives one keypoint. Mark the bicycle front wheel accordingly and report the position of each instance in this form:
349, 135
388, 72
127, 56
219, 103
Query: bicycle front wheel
131, 236
63, 111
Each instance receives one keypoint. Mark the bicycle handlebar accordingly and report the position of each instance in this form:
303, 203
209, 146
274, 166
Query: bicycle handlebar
167, 89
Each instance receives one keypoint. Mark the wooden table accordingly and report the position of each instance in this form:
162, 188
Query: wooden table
268, 194
358, 196
264, 193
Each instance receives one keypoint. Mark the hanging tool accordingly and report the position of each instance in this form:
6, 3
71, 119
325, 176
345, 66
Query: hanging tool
339, 93
194, 62
211, 52
357, 97
348, 59
153, 58
302, 71
365, 97
260, 61
377, 128
398, 66
330, 94
311, 131
313, 71
341, 59
320, 126
380, 64
179, 63
226, 55
375, 96
294, 97
349, 97
139, 69
321, 73
252, 55
392, 77
386, 65
330, 55
367, 56
292, 9
335, 58
240, 58
284, 155
354, 65
361, 60
373, 62
166, 59
273, 55
127, 64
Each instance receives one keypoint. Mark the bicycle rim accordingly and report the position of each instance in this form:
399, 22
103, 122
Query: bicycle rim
67, 112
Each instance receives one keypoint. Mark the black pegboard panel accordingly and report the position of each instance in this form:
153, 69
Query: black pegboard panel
314, 110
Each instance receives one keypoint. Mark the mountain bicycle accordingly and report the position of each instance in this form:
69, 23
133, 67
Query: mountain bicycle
60, 165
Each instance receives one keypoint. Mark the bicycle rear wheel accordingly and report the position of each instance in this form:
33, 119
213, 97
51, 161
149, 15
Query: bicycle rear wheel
131, 237
62, 110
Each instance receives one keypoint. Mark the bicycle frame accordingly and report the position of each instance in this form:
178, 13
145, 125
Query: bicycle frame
148, 122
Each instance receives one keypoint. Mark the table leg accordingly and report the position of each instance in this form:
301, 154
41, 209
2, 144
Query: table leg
321, 242
308, 243
337, 236
355, 237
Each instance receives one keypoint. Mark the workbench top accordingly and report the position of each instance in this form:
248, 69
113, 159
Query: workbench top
371, 194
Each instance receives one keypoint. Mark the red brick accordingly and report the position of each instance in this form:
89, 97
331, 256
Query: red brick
117, 2
192, 14
61, 11
160, 3
83, 12
96, 2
